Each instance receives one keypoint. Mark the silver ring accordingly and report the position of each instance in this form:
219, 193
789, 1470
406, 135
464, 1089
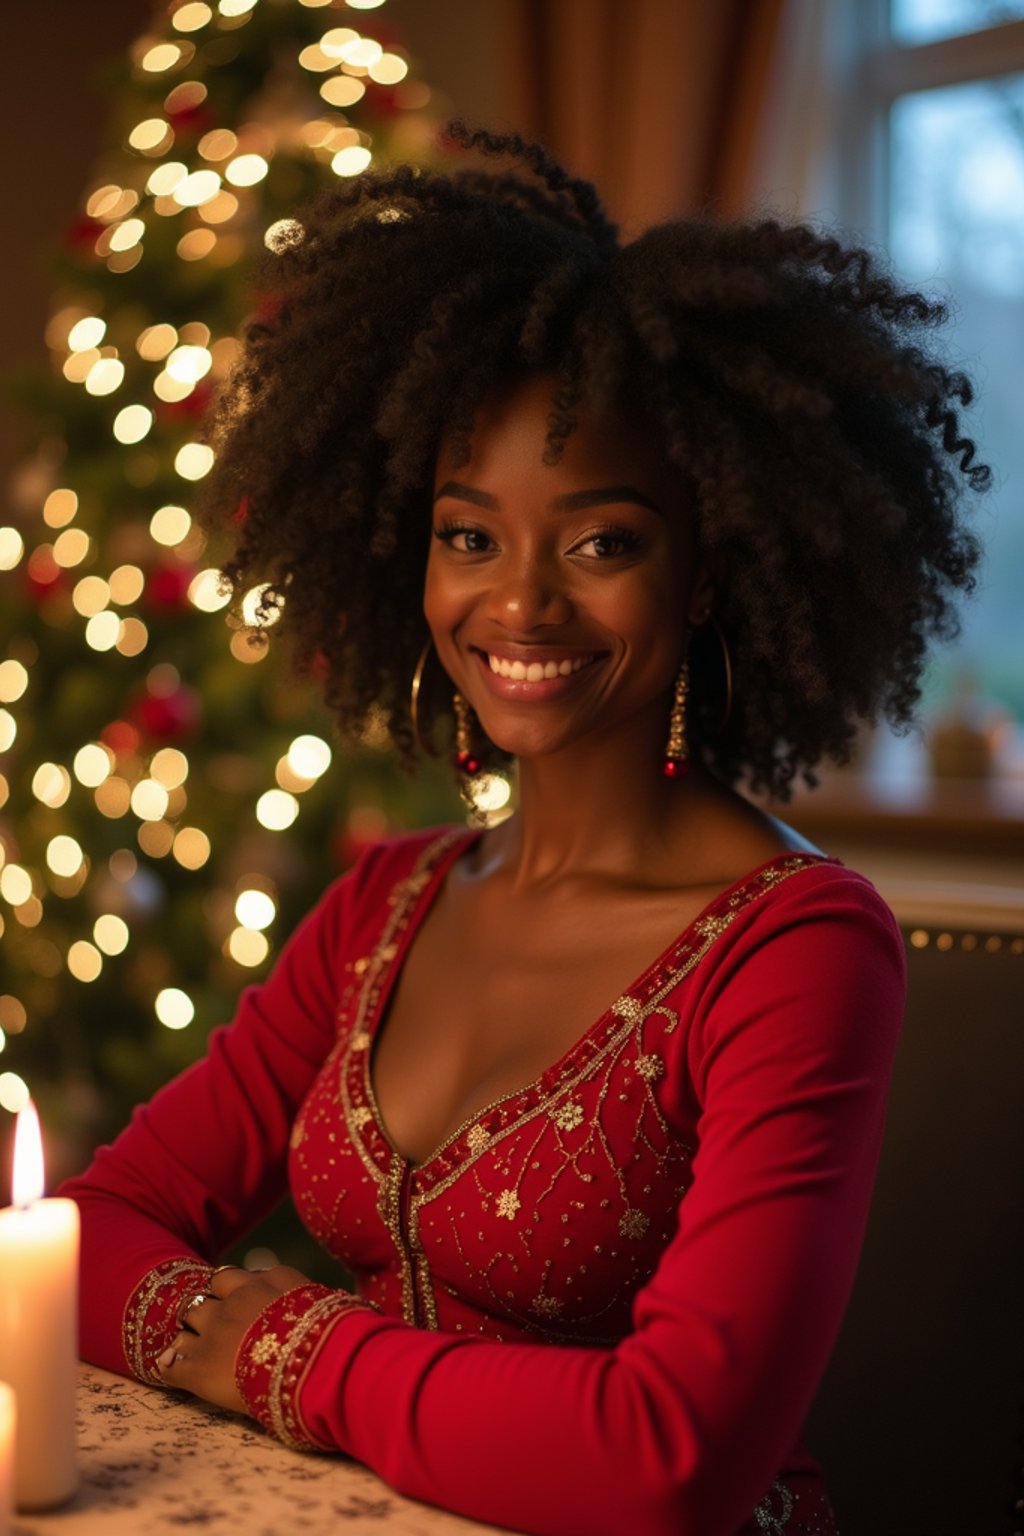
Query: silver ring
195, 1301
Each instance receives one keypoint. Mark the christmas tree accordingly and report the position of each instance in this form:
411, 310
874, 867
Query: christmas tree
170, 799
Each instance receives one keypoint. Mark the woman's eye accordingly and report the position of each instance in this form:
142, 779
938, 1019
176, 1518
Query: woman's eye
466, 541
605, 546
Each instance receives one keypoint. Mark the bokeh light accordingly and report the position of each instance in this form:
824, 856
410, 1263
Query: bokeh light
64, 855
276, 810
191, 848
111, 934
246, 946
13, 681
207, 592
255, 909
84, 960
174, 1008
14, 1093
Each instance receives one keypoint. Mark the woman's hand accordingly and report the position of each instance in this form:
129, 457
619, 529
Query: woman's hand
201, 1359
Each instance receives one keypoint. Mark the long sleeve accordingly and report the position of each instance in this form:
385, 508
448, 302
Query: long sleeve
204, 1160
680, 1428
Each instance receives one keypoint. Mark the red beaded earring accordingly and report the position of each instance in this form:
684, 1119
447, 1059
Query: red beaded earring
465, 762
676, 757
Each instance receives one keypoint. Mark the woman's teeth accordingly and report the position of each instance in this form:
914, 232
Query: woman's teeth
536, 671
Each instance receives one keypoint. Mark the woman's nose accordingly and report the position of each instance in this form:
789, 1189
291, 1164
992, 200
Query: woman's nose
529, 595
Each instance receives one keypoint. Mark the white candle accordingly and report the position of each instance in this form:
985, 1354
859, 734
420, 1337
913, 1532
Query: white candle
7, 1429
39, 1325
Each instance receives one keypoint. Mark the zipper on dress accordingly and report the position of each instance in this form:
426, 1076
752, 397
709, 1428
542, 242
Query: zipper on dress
400, 1176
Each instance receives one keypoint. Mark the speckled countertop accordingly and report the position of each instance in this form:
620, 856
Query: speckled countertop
154, 1463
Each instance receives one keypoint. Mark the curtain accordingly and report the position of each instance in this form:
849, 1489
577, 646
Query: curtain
661, 102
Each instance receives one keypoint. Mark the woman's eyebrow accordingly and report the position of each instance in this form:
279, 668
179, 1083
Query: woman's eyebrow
572, 501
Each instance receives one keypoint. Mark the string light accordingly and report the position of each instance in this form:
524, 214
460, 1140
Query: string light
105, 375
247, 947
156, 341
60, 507
92, 764
351, 160
13, 681
15, 884
86, 333
111, 934
64, 855
174, 1008
90, 596
276, 809
309, 756
51, 783
208, 592
12, 547
191, 848
14, 1092
151, 383
193, 461
191, 17
71, 547
169, 525
84, 960
255, 909
342, 91
132, 423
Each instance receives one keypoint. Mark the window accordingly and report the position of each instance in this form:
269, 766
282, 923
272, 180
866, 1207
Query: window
930, 166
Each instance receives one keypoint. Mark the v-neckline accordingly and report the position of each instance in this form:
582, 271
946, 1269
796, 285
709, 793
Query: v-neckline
436, 863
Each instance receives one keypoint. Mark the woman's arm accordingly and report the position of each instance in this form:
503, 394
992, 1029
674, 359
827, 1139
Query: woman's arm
205, 1159
679, 1430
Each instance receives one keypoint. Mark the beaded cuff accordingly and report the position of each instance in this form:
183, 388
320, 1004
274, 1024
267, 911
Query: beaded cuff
150, 1319
277, 1351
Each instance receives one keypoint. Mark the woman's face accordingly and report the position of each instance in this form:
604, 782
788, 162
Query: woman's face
559, 596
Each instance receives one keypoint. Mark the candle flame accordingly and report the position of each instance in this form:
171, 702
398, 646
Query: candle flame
27, 1176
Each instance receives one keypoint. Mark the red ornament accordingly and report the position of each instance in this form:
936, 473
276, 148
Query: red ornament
167, 585
120, 737
194, 405
169, 716
42, 575
81, 235
467, 763
675, 768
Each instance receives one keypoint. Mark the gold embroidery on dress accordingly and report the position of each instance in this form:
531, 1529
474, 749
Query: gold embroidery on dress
634, 1224
265, 1349
567, 1116
593, 1058
650, 1066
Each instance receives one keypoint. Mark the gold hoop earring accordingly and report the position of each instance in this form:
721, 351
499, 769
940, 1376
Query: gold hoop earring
727, 669
414, 699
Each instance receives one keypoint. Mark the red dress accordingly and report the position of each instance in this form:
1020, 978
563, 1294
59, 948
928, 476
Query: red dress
603, 1305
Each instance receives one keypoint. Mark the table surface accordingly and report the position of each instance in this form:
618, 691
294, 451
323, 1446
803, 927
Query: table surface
152, 1461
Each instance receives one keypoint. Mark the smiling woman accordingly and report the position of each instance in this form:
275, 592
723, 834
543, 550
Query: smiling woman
589, 1103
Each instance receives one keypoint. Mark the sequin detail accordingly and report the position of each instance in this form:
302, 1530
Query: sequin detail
150, 1318
567, 1188
773, 1512
276, 1352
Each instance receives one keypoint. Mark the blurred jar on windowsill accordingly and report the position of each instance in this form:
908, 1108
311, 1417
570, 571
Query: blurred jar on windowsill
972, 737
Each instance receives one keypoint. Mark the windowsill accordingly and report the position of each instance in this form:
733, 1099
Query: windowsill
981, 818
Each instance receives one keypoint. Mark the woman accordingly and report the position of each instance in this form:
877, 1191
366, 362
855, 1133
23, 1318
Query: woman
668, 516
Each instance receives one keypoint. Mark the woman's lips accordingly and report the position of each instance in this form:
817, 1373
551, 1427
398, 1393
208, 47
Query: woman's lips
545, 675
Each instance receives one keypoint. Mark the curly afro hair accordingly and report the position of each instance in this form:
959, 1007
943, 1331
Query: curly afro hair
783, 370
